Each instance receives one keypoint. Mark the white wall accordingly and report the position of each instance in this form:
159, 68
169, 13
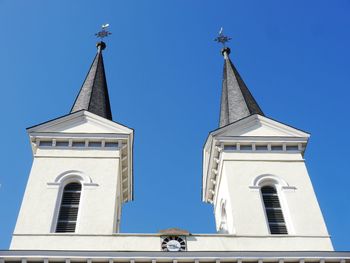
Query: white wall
98, 207
152, 242
244, 203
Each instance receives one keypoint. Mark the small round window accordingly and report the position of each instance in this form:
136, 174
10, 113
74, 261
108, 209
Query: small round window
173, 243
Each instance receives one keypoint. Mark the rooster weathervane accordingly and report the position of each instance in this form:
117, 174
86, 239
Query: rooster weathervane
104, 32
222, 38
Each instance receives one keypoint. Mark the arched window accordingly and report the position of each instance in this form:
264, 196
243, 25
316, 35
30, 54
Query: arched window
273, 210
68, 213
223, 220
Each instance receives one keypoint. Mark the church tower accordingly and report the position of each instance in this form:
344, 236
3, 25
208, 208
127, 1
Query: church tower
254, 172
81, 173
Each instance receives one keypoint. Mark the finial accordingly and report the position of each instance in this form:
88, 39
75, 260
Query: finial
223, 39
101, 35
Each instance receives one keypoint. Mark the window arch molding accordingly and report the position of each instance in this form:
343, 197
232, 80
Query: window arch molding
269, 179
72, 176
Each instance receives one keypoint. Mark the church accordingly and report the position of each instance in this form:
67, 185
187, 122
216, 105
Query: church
254, 176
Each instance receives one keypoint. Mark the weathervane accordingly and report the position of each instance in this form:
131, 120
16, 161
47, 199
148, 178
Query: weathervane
104, 32
222, 38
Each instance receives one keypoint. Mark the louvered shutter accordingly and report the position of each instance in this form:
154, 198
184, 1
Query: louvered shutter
273, 210
67, 217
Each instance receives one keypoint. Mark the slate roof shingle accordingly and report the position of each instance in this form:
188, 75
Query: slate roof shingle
236, 100
93, 95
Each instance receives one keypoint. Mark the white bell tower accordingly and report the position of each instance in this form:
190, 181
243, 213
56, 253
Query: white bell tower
81, 173
255, 176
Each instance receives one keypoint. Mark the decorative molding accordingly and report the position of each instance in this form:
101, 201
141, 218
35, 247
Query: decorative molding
78, 118
243, 125
72, 175
264, 179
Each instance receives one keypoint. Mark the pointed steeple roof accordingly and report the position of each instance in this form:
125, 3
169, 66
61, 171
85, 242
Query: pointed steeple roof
93, 95
236, 100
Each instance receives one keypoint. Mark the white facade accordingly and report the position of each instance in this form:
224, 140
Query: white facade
239, 161
80, 147
152, 242
232, 185
244, 156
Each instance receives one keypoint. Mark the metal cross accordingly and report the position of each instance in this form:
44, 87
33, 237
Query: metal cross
104, 32
222, 38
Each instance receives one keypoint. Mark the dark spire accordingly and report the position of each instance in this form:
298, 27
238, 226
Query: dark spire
93, 95
236, 100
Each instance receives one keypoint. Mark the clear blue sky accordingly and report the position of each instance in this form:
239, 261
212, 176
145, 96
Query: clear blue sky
164, 74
